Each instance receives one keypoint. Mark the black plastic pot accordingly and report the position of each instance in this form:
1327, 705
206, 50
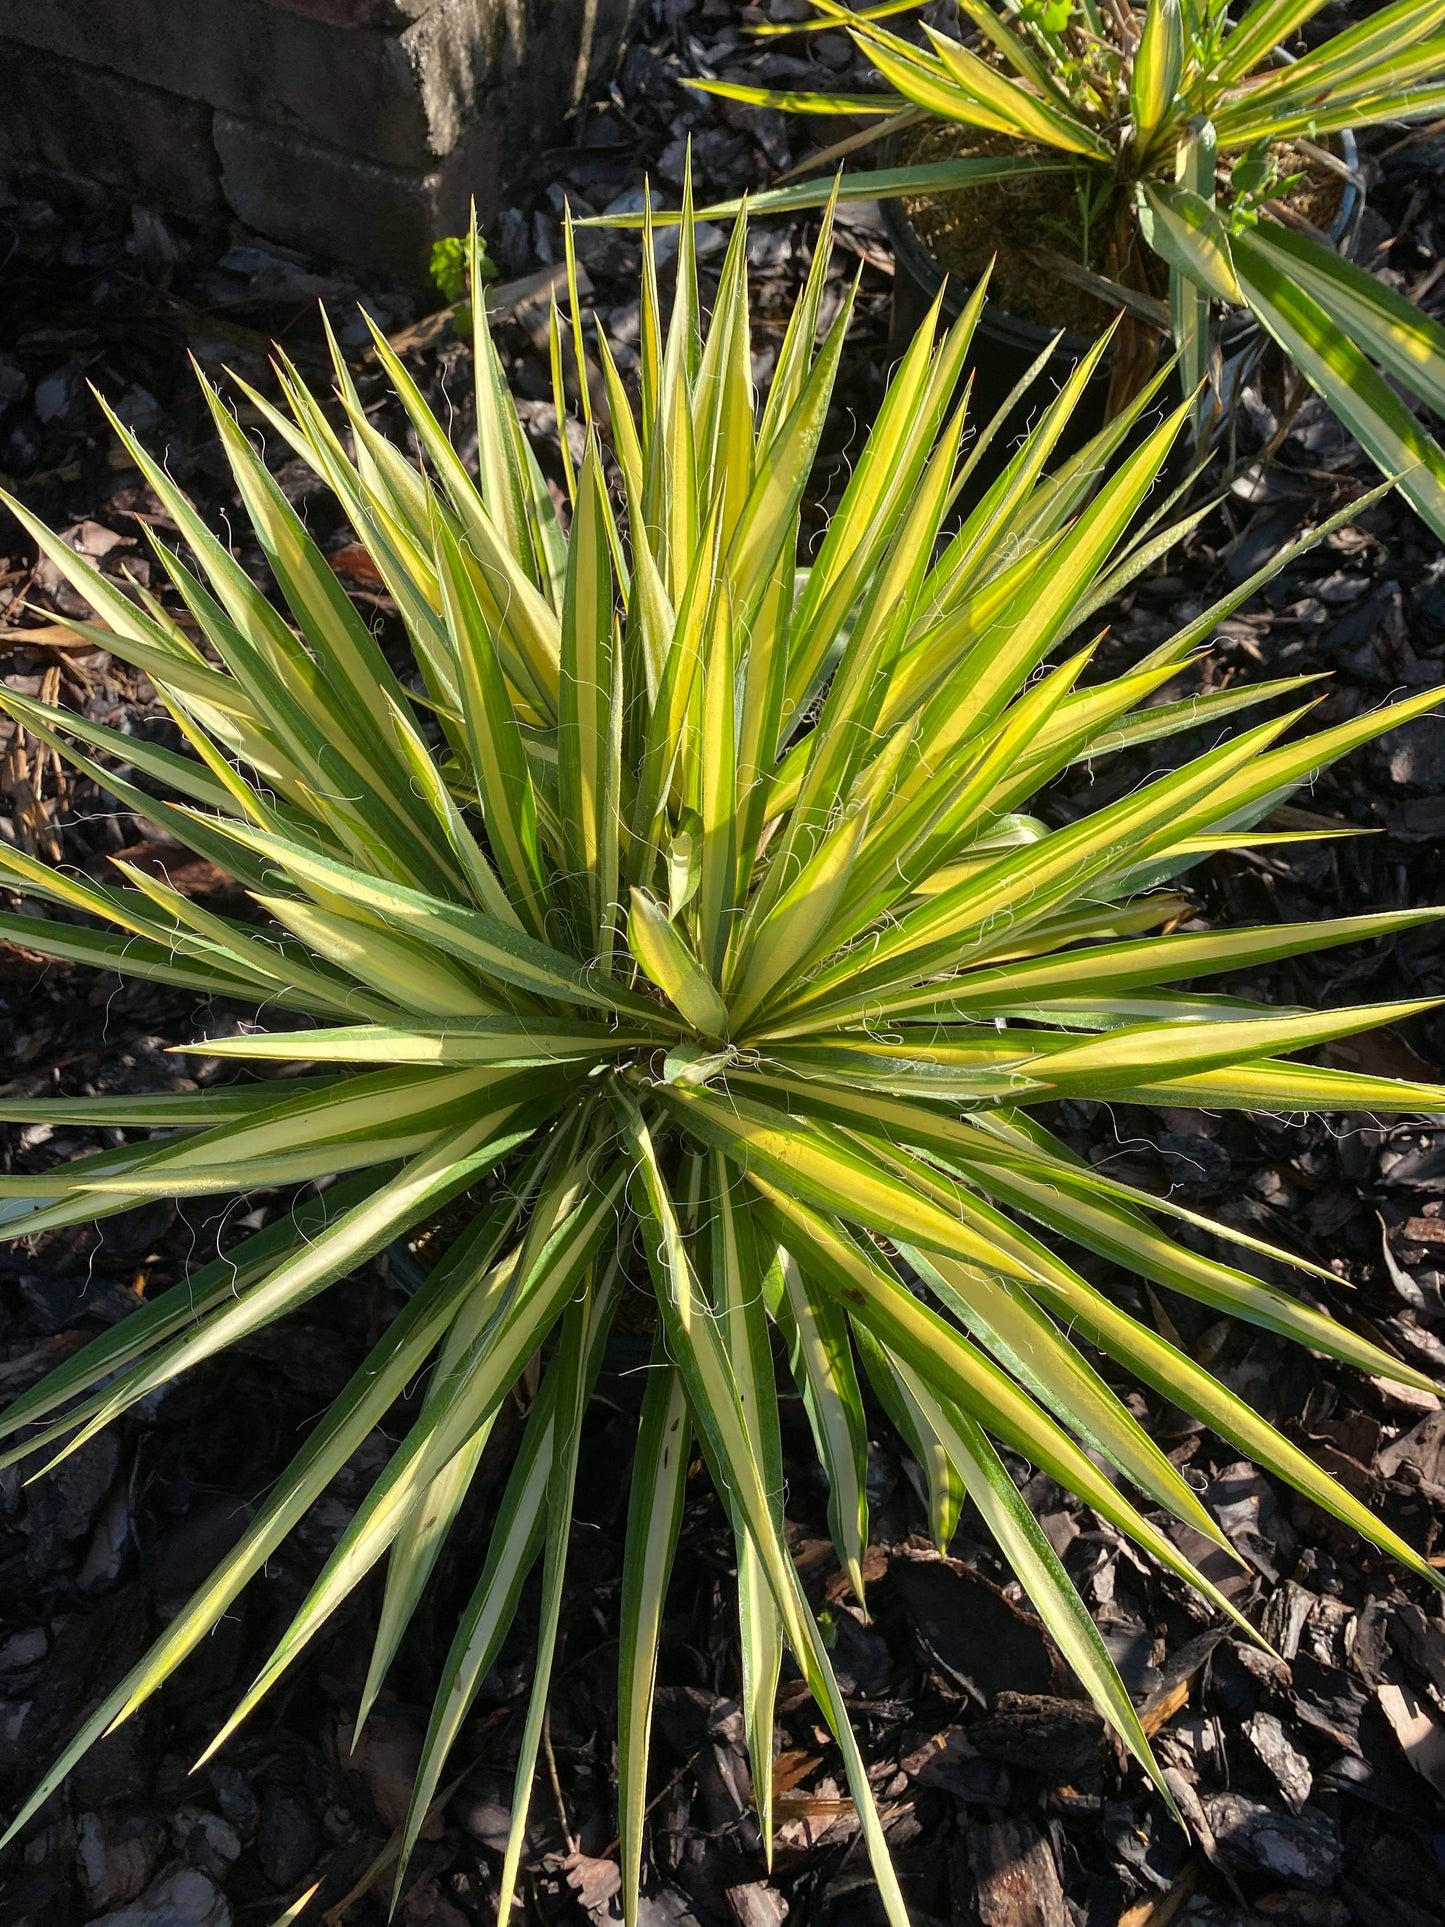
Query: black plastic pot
1005, 345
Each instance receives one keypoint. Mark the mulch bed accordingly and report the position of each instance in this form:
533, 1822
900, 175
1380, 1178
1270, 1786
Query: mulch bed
1311, 1783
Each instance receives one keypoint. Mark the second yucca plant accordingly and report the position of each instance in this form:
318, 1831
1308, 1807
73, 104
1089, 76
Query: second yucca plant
681, 916
1180, 129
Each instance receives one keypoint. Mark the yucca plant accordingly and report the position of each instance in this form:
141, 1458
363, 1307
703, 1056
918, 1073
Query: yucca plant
1181, 130
680, 922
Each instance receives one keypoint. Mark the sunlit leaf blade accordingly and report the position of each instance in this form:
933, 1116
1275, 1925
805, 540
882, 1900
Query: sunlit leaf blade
528, 1298
1020, 111
1116, 968
1186, 1384
401, 1352
1192, 238
677, 973
474, 938
412, 1561
1334, 365
1007, 1322
1396, 335
578, 1352
164, 1315
1112, 1228
137, 957
494, 740
423, 1534
791, 100
822, 1359
654, 1516
512, 1550
447, 1167
503, 1042
945, 1488
961, 1374
1158, 66
177, 773
1021, 1539
1271, 1084
745, 1274
712, 1398
1265, 25
868, 184
876, 1124
589, 717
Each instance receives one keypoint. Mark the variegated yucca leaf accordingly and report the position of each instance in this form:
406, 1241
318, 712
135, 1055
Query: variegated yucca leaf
1152, 105
684, 923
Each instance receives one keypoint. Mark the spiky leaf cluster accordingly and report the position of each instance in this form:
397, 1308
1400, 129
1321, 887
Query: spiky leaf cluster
683, 920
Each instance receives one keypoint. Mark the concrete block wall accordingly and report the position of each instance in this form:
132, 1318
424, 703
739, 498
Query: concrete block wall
359, 129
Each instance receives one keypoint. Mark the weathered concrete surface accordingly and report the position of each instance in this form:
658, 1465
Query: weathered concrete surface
358, 128
381, 219
64, 119
392, 96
